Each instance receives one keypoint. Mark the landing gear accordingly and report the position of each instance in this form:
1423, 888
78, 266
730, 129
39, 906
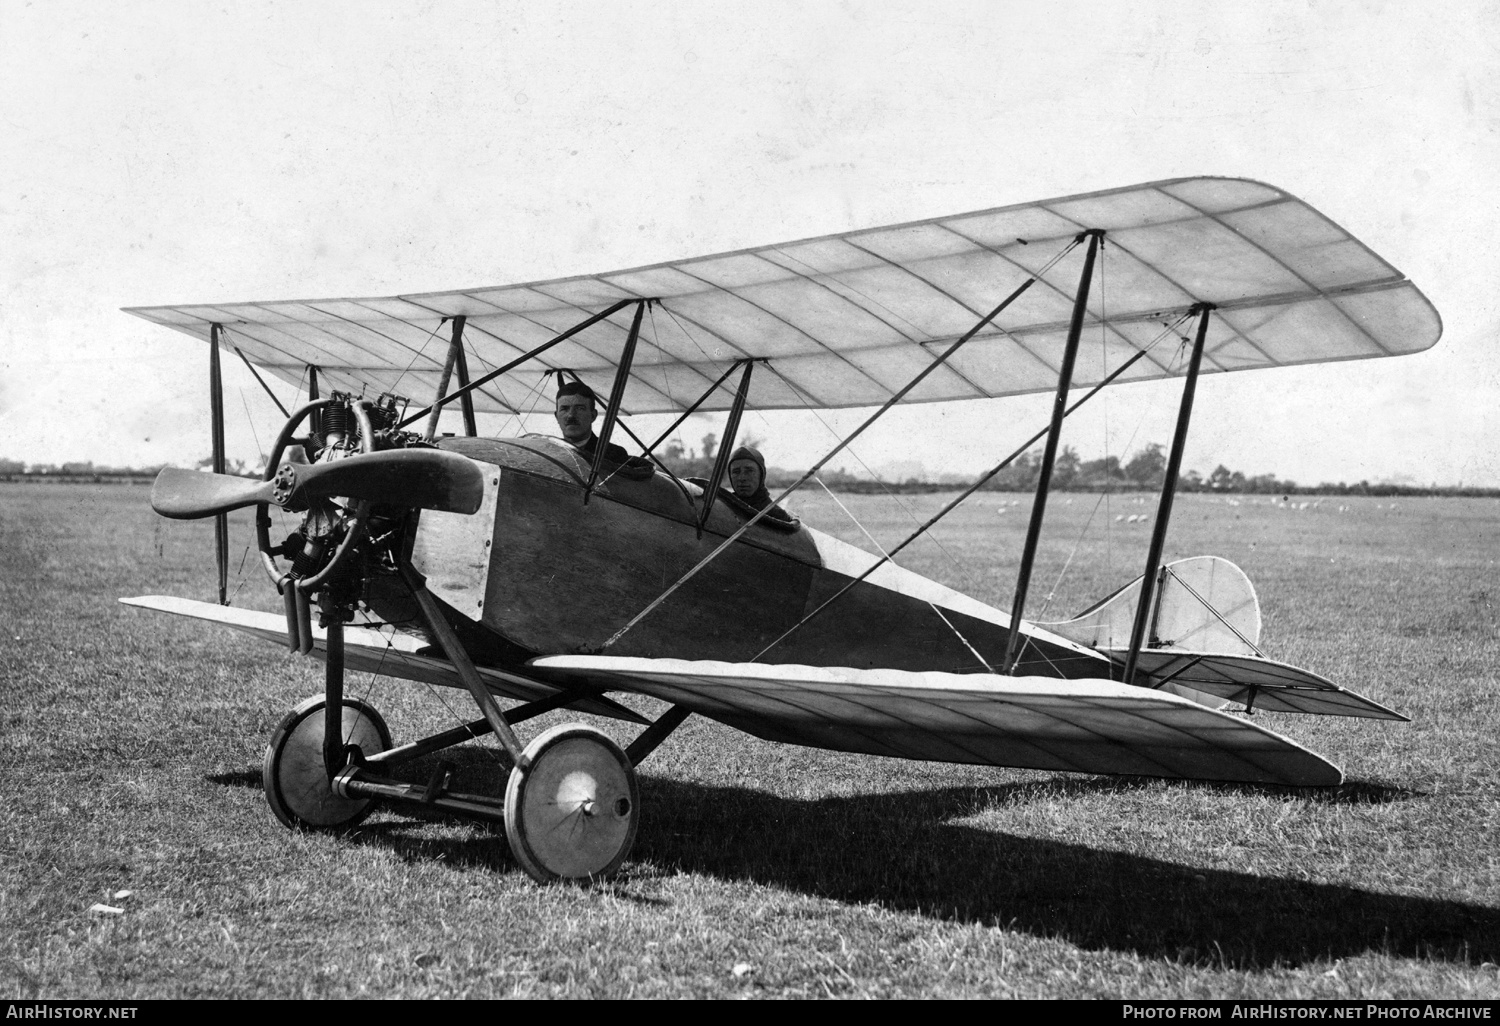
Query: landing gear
572, 815
571, 808
295, 774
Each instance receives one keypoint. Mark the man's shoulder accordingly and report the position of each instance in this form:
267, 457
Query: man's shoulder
631, 467
612, 452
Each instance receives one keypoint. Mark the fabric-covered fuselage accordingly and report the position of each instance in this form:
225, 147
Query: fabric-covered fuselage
563, 575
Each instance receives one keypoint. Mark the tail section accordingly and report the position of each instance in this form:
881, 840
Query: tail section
1202, 644
1204, 604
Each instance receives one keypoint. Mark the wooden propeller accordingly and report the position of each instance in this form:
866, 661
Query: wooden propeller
420, 478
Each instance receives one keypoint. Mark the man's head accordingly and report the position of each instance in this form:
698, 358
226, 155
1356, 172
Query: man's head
576, 410
747, 471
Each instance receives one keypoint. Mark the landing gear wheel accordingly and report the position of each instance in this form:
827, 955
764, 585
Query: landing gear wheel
295, 778
574, 813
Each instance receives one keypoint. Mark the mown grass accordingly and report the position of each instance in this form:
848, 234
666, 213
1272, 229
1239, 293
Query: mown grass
133, 745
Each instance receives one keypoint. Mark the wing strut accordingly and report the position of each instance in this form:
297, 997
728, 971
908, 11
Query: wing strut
1049, 454
892, 401
1144, 606
443, 379
267, 388
949, 507
726, 446
461, 368
315, 419
690, 410
492, 375
458, 363
447, 640
216, 429
616, 394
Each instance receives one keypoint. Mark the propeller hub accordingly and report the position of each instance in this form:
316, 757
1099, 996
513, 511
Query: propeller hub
286, 484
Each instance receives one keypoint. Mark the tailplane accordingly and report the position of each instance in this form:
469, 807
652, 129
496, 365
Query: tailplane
1202, 643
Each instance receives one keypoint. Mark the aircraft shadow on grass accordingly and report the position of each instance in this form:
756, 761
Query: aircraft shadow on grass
904, 851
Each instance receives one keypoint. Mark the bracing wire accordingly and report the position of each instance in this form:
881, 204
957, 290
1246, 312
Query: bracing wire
1212, 609
426, 342
534, 396
666, 379
1103, 496
484, 368
881, 549
896, 397
380, 630
1169, 329
696, 345
911, 514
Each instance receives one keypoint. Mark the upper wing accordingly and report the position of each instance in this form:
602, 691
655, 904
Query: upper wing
1088, 726
372, 652
846, 320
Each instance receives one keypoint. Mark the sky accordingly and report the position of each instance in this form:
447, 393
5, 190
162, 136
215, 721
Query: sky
156, 153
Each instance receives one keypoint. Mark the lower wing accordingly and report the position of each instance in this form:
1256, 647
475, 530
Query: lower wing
1087, 726
370, 651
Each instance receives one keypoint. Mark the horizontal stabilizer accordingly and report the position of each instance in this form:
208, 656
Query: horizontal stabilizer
1085, 726
369, 651
1261, 684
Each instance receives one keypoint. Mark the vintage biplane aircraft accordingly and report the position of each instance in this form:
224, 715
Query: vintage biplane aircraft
522, 571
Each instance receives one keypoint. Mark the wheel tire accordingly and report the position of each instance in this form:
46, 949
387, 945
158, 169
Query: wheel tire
572, 815
295, 779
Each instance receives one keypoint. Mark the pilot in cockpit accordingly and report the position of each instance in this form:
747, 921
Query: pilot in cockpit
576, 409
747, 478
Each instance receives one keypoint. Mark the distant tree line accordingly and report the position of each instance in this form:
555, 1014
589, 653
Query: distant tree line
13, 470
86, 470
1143, 471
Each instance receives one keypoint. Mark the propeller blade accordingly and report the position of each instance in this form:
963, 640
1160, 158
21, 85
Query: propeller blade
190, 495
423, 478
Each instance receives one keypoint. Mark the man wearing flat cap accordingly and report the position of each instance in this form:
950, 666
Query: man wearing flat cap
576, 409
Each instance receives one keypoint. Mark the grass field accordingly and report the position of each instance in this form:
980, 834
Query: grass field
133, 744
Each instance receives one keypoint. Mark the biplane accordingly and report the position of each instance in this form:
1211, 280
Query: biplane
538, 577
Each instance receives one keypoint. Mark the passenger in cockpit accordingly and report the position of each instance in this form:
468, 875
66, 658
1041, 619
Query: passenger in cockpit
747, 477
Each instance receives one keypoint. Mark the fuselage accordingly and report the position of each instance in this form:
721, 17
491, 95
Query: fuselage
537, 571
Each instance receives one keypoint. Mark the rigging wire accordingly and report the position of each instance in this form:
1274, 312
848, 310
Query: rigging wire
1103, 294
887, 556
895, 398
666, 379
983, 479
1103, 496
1214, 610
1171, 329
379, 629
709, 360
534, 394
395, 384
485, 368
963, 571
